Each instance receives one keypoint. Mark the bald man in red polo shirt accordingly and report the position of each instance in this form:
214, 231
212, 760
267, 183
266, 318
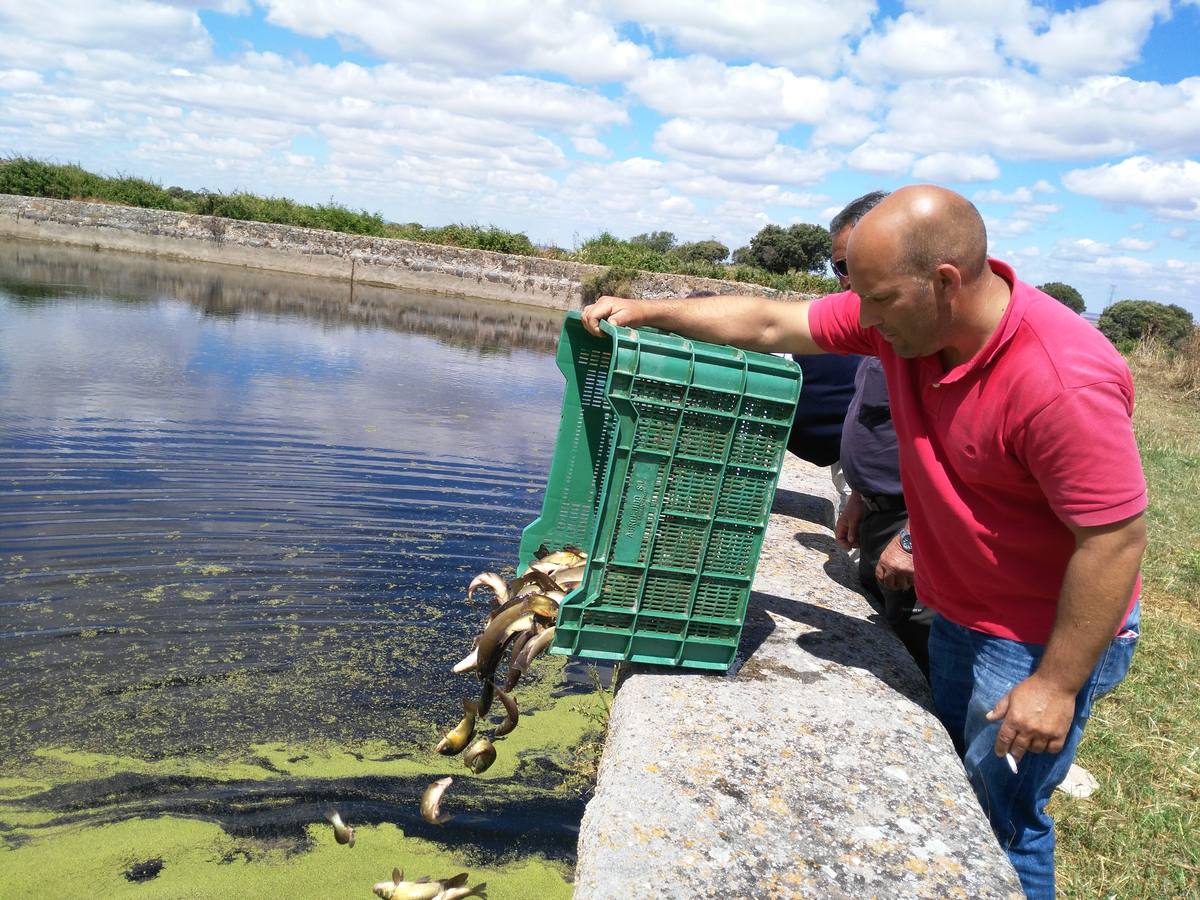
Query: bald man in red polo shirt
1025, 488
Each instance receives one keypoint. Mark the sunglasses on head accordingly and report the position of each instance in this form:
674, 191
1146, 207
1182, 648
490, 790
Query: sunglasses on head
840, 267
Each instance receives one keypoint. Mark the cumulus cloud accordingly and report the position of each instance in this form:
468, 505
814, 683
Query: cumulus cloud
590, 146
1171, 189
912, 46
1104, 37
1023, 117
519, 35
875, 156
804, 35
1019, 195
956, 167
723, 140
19, 80
1135, 244
701, 87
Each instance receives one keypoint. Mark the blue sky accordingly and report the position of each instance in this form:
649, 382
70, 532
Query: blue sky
1074, 128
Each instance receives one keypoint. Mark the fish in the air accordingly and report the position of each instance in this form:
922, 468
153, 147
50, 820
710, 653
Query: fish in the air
431, 802
480, 755
342, 833
511, 714
458, 737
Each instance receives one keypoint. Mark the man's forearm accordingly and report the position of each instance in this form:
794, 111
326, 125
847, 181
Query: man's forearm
1093, 600
752, 323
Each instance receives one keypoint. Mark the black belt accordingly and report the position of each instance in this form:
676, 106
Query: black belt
883, 502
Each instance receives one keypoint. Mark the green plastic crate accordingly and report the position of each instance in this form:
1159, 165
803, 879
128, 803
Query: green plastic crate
664, 470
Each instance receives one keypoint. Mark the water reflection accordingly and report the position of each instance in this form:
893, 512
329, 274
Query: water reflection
32, 273
238, 506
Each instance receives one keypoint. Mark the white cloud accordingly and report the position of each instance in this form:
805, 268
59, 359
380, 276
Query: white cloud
1022, 117
843, 130
590, 146
19, 80
521, 35
874, 155
915, 47
956, 167
1171, 189
1181, 232
804, 35
699, 87
1135, 244
1104, 37
134, 28
1006, 228
1019, 195
716, 139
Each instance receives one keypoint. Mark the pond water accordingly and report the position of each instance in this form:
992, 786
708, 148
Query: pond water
238, 514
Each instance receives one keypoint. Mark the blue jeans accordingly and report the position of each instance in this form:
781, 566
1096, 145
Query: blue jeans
969, 673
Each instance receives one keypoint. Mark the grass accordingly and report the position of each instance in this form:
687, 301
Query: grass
1139, 834
36, 178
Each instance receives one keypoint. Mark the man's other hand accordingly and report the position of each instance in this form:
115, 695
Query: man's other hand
848, 522
1037, 716
895, 568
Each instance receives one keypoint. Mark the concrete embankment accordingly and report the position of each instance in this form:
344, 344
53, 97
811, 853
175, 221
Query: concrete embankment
813, 769
386, 262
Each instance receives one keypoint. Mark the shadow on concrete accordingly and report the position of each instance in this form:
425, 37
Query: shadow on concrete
837, 564
839, 638
808, 507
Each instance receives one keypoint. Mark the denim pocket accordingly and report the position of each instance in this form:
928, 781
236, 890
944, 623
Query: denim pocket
1114, 664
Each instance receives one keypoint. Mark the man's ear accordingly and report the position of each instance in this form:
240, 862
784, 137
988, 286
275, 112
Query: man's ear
948, 279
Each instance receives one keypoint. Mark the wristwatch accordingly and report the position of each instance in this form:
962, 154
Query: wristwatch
905, 540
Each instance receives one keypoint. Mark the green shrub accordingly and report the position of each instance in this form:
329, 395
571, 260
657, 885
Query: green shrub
612, 282
1137, 320
802, 248
657, 241
711, 252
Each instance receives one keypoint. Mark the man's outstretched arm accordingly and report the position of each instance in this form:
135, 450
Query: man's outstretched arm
752, 323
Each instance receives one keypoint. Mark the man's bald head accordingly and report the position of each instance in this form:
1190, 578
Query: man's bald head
923, 227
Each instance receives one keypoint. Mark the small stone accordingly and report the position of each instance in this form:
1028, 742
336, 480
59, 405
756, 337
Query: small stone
1079, 783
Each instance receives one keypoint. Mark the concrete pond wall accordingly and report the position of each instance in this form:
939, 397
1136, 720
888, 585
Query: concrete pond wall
388, 262
813, 768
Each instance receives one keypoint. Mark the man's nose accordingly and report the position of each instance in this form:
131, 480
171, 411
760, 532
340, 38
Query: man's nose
867, 316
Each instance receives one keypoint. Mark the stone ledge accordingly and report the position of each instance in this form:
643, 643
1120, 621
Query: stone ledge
385, 262
814, 769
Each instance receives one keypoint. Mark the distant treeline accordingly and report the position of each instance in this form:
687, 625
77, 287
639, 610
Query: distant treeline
654, 252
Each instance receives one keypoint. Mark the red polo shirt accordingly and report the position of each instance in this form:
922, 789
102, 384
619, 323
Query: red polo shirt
999, 454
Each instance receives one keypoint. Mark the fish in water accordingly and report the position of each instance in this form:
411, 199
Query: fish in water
342, 832
512, 714
480, 755
431, 802
461, 734
424, 889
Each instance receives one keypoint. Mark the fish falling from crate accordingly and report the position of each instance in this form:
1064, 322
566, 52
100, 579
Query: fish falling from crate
519, 623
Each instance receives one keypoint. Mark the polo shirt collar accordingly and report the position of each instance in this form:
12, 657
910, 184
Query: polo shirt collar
1014, 314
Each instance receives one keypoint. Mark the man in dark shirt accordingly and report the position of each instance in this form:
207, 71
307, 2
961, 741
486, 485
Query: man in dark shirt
825, 393
875, 518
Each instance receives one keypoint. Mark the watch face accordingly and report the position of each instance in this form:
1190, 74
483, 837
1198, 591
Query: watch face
906, 541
